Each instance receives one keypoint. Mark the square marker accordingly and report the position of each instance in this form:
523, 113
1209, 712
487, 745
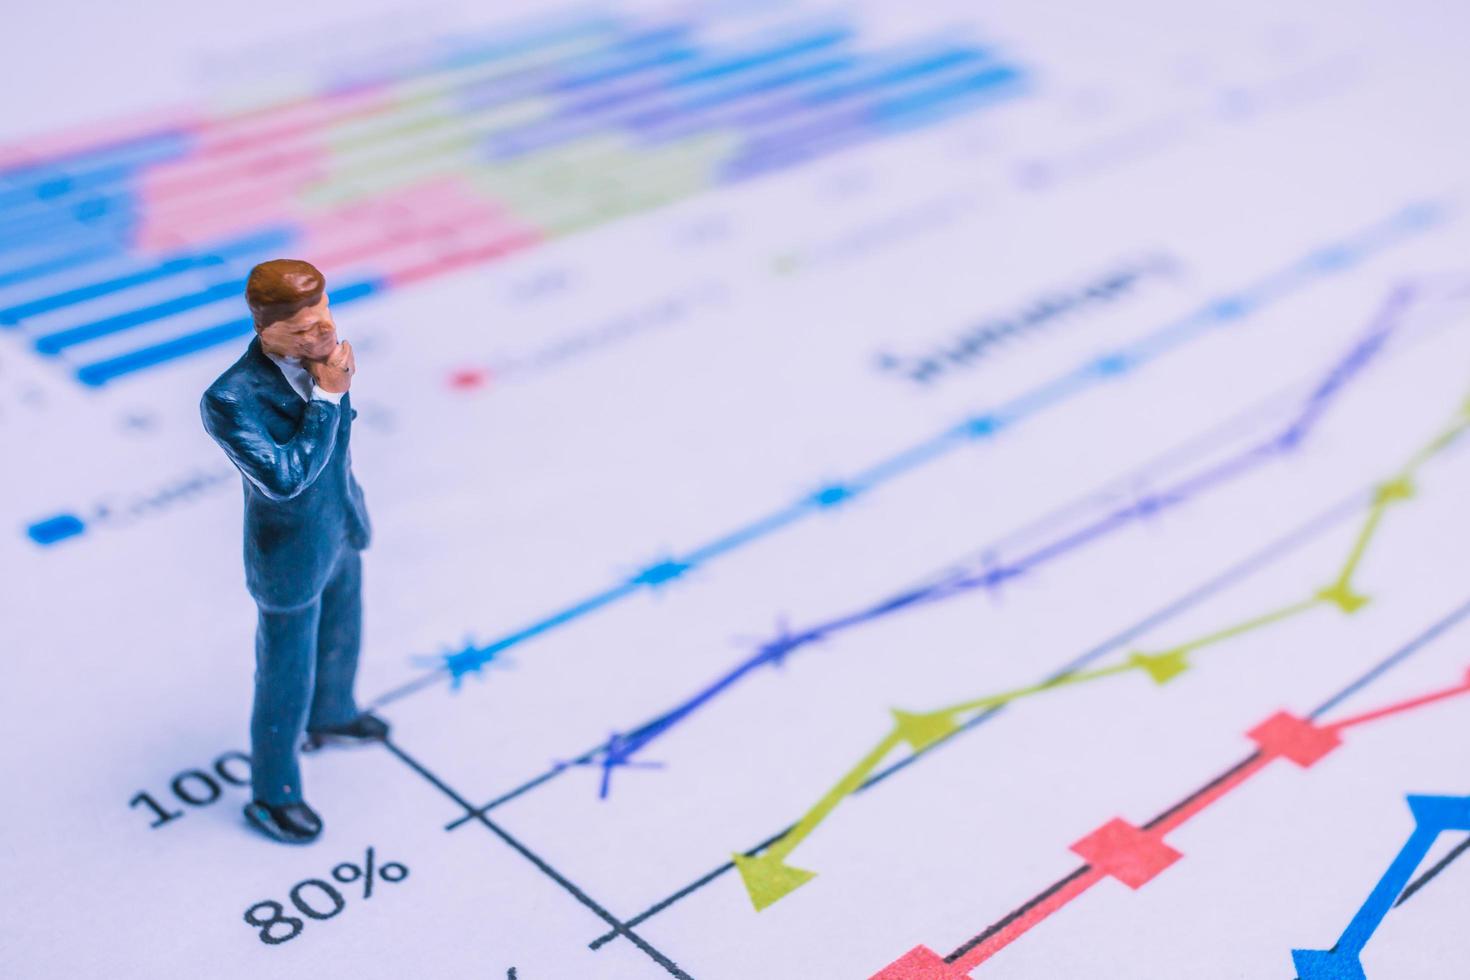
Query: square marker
1119, 849
1289, 737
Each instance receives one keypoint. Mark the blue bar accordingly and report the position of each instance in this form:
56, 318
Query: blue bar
628, 56
755, 59
862, 122
715, 66
101, 372
60, 263
49, 215
117, 223
55, 343
928, 99
173, 265
902, 72
54, 529
559, 76
57, 175
661, 117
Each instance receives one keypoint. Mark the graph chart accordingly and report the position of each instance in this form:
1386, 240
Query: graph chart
892, 491
506, 141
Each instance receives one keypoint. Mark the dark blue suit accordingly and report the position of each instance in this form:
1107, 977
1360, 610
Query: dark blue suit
305, 522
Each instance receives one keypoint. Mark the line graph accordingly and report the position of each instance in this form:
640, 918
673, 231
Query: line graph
1433, 816
976, 429
621, 748
1354, 506
1135, 854
768, 878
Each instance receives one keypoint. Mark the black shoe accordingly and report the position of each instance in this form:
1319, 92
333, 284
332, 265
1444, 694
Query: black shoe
291, 823
366, 727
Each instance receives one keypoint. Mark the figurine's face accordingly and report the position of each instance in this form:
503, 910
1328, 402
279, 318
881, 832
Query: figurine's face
309, 334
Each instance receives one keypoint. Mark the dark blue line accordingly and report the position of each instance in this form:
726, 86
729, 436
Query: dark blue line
621, 748
1393, 660
1091, 373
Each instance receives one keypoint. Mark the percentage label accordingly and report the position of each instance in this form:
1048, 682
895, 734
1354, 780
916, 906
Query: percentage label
277, 927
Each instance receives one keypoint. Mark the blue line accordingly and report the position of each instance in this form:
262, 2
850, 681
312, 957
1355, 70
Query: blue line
101, 372
55, 343
588, 605
887, 75
1398, 657
60, 263
114, 217
861, 122
1073, 382
54, 179
273, 238
620, 749
928, 99
627, 58
751, 532
1433, 816
726, 66
686, 113
912, 458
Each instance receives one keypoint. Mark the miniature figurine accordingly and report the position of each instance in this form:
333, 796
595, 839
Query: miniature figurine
283, 415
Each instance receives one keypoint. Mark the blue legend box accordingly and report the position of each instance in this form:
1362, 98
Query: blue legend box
57, 528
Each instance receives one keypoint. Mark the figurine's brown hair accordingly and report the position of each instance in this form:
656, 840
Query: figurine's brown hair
280, 287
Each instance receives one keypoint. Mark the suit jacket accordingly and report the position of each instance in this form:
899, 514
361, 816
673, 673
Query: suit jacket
302, 503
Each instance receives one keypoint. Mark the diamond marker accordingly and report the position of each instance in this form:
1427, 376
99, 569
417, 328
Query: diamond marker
1119, 849
1286, 736
660, 572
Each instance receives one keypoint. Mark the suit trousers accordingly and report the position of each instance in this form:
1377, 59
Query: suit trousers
305, 664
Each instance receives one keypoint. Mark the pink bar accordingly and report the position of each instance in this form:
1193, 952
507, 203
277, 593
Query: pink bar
473, 255
169, 182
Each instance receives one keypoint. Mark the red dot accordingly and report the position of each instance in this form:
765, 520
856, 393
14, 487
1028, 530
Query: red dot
467, 379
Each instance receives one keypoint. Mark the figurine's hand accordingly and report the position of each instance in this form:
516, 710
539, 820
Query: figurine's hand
335, 373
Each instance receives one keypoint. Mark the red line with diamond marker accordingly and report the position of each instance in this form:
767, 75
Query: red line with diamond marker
1136, 855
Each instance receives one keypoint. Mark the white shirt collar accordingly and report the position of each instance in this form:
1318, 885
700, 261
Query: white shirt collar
296, 374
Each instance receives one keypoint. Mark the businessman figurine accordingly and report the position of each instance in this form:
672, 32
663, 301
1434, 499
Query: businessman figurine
283, 415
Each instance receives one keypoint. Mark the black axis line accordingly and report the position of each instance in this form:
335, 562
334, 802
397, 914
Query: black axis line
618, 926
1433, 872
1434, 631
